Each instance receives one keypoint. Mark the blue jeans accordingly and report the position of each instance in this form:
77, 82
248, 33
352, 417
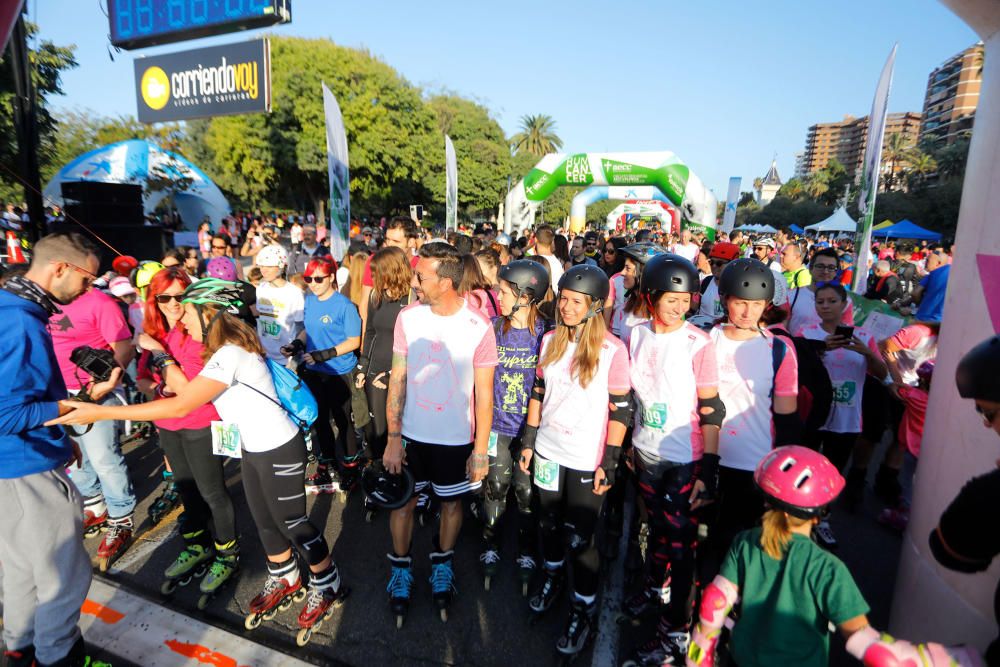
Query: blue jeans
104, 470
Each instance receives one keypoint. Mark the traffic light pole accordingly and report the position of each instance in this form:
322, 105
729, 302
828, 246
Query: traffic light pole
26, 123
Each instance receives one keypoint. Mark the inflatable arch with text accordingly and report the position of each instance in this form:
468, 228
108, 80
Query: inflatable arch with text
668, 216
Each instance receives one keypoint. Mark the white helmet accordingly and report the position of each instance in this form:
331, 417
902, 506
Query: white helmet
272, 255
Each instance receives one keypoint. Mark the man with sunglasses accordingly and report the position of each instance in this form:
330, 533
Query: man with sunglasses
721, 254
44, 568
763, 250
965, 539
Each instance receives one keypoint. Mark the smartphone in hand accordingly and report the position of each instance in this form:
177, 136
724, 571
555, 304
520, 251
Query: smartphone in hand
844, 332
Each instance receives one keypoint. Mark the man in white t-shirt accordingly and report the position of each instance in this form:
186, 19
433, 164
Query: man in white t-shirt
439, 411
280, 304
545, 240
687, 248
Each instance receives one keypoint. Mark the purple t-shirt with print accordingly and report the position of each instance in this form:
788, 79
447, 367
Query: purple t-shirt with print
517, 351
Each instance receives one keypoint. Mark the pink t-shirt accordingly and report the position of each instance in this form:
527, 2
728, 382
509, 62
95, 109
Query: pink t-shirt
187, 352
911, 428
747, 380
482, 302
666, 372
94, 320
574, 423
442, 353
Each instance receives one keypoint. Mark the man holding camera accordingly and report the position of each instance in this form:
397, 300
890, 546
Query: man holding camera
94, 322
44, 568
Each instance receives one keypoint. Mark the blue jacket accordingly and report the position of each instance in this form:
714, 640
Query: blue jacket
30, 386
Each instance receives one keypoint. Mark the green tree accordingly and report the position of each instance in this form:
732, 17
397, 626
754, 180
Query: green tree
793, 188
48, 62
896, 150
922, 165
537, 136
952, 158
481, 152
280, 158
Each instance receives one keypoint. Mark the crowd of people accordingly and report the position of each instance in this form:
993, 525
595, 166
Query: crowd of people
724, 381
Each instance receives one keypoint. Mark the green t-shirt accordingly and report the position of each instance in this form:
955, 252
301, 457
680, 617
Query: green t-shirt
800, 277
787, 605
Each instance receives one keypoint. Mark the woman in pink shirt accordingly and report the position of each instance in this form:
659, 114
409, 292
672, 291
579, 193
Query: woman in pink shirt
187, 442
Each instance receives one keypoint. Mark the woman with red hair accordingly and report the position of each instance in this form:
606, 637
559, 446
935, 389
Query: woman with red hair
187, 441
326, 346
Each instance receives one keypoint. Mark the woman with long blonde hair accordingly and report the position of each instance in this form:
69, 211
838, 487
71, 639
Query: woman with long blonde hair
572, 439
256, 428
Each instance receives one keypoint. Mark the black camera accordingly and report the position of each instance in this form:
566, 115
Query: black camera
98, 364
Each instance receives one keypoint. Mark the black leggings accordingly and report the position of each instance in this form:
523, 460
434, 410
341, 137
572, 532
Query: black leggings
739, 507
835, 446
568, 516
274, 482
378, 428
503, 469
201, 482
673, 534
333, 398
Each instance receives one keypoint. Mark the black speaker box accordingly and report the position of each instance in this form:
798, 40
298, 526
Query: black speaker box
140, 242
94, 192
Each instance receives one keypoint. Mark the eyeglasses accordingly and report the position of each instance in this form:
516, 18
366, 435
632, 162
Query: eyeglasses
314, 279
218, 247
79, 269
824, 267
164, 299
421, 278
989, 416
718, 262
760, 247
609, 251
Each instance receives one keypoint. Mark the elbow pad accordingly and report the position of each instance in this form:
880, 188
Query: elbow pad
787, 429
711, 411
622, 412
319, 356
538, 389
716, 601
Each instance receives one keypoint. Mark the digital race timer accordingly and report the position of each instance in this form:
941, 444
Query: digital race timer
139, 23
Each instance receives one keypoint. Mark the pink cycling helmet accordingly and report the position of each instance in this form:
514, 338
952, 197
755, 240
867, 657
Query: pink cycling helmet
223, 268
798, 480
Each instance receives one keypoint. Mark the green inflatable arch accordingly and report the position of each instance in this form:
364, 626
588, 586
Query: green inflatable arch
661, 169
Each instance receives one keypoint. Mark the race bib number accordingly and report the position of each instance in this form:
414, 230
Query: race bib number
492, 448
845, 393
272, 329
546, 474
654, 415
226, 440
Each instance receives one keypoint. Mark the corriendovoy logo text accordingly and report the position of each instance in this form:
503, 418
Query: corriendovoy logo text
225, 82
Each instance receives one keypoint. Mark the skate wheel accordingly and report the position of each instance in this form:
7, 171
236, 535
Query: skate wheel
252, 622
270, 614
444, 615
300, 595
486, 582
168, 587
203, 601
285, 604
524, 589
305, 634
399, 621
369, 516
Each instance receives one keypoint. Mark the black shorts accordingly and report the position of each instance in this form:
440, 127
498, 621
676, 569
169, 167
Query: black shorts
441, 466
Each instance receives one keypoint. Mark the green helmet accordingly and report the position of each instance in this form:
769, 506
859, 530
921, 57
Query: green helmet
213, 290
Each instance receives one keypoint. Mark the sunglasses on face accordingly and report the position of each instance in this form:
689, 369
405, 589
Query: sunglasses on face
314, 279
718, 262
164, 299
218, 247
609, 251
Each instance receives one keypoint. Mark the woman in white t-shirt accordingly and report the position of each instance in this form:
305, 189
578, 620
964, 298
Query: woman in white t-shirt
758, 383
237, 381
573, 440
280, 304
635, 309
675, 442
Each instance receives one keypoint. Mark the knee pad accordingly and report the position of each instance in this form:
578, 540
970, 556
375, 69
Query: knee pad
523, 494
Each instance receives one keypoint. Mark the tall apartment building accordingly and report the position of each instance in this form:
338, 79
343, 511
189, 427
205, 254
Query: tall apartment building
846, 141
952, 96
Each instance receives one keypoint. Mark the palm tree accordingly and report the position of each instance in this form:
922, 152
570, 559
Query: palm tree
922, 165
817, 184
537, 136
897, 147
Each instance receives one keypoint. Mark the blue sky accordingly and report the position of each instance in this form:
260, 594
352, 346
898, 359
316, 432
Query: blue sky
724, 84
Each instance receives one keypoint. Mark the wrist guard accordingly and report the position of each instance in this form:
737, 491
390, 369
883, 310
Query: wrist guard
319, 356
295, 348
609, 463
160, 360
528, 437
708, 473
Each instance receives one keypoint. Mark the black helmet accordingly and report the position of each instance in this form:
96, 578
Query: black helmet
643, 252
590, 280
978, 373
528, 278
747, 278
386, 490
669, 273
